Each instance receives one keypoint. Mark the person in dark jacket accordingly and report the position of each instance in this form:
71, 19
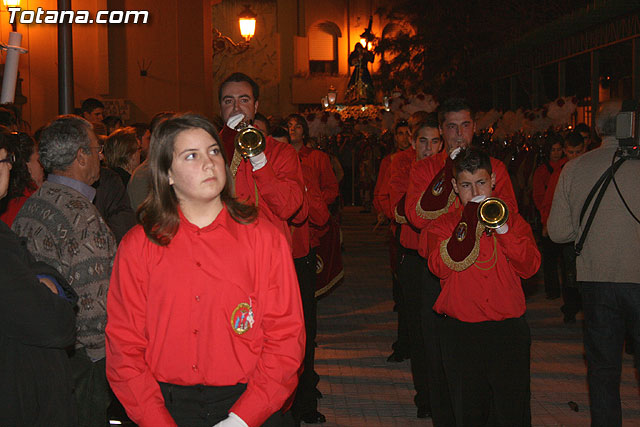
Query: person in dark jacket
37, 323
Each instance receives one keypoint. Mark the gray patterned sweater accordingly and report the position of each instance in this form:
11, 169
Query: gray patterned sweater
66, 231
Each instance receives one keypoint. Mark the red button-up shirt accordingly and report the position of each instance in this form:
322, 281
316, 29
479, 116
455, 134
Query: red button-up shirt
547, 201
398, 184
178, 314
541, 181
490, 289
321, 190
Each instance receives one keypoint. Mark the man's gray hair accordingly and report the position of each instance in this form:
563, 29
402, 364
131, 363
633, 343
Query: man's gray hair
60, 141
606, 117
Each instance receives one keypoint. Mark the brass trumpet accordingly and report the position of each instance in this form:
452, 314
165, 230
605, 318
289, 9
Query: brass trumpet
249, 141
493, 213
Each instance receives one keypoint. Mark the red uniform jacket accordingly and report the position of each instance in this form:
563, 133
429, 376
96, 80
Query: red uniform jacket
398, 184
551, 189
218, 306
277, 188
490, 289
381, 190
541, 182
319, 181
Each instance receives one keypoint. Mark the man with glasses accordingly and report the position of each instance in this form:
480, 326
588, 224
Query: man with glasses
65, 230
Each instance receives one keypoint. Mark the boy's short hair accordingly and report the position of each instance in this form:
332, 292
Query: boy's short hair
574, 139
470, 160
238, 78
452, 105
400, 124
90, 104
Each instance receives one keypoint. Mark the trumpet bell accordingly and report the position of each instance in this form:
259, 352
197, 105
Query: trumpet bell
249, 142
493, 213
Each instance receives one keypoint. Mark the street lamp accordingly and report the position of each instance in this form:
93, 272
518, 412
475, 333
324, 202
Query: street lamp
8, 4
247, 21
332, 95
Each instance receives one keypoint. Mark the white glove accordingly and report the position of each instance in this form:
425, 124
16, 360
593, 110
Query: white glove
502, 229
478, 199
232, 421
235, 120
258, 161
454, 153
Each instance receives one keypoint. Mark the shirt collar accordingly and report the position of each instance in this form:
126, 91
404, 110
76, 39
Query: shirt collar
610, 141
223, 220
86, 190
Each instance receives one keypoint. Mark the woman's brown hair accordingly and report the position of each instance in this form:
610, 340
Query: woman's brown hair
120, 146
158, 214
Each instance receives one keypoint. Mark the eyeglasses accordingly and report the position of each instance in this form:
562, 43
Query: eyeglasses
11, 159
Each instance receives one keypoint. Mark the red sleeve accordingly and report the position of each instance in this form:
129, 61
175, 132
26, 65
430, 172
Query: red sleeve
328, 181
318, 210
420, 177
276, 374
381, 191
519, 247
438, 231
540, 179
548, 196
399, 176
280, 181
504, 189
127, 371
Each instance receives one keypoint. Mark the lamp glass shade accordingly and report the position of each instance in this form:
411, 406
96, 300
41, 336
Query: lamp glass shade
247, 27
325, 102
363, 42
247, 21
11, 3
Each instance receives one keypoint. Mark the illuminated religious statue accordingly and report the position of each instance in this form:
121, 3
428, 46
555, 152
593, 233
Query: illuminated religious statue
360, 88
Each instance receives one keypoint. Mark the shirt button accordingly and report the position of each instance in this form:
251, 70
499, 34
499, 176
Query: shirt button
198, 263
195, 332
195, 368
198, 298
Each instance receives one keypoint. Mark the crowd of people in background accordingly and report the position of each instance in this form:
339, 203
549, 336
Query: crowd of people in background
109, 209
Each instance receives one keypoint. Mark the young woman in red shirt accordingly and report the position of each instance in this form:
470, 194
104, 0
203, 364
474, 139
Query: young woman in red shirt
205, 324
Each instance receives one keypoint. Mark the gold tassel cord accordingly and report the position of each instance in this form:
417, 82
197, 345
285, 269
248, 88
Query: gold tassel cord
493, 257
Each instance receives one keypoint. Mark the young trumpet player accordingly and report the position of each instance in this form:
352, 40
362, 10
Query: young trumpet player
485, 338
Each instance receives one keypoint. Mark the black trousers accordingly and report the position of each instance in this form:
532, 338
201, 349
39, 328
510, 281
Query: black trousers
441, 408
551, 258
205, 406
401, 344
91, 389
570, 286
410, 275
487, 367
306, 399
610, 309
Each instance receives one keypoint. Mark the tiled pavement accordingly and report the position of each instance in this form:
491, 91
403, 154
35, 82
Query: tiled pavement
356, 327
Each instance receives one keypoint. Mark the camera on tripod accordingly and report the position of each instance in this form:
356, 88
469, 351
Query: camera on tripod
628, 130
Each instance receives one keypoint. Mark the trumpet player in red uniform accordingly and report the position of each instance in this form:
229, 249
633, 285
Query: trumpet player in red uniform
485, 338
205, 324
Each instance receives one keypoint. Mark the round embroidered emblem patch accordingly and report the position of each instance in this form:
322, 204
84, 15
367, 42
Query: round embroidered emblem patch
319, 264
461, 231
242, 318
438, 186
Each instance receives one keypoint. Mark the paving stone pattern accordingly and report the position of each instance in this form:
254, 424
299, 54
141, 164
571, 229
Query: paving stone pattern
356, 327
